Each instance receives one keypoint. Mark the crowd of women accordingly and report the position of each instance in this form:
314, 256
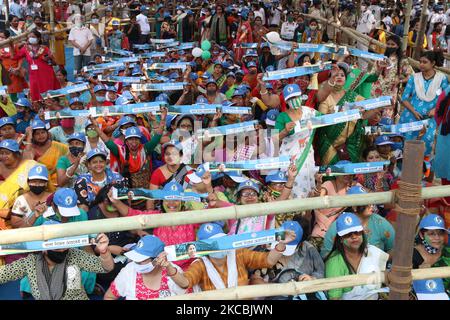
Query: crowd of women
64, 170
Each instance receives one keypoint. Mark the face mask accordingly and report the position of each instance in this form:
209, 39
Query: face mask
274, 193
100, 98
211, 92
78, 24
94, 21
313, 27
429, 248
32, 40
67, 123
91, 133
290, 19
57, 257
295, 103
37, 190
75, 151
144, 268
389, 51
219, 255
397, 146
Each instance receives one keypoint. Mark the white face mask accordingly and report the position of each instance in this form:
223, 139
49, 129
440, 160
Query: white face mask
144, 268
32, 40
94, 21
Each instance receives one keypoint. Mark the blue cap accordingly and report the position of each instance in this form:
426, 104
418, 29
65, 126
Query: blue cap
251, 64
77, 136
136, 70
227, 103
383, 140
161, 98
249, 184
147, 247
277, 177
111, 88
174, 75
208, 230
66, 200
202, 99
196, 176
430, 289
74, 100
121, 101
348, 222
386, 121
99, 87
206, 75
193, 76
240, 71
225, 65
38, 124
265, 45
271, 117
169, 119
291, 91
432, 222
356, 190
38, 172
291, 246
115, 23
24, 102
269, 86
133, 132
10, 145
238, 92
173, 143
173, 187
167, 15
126, 120
5, 121
96, 152
251, 53
270, 68
211, 80
231, 74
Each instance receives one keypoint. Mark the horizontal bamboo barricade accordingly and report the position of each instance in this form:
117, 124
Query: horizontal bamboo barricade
47, 232
296, 288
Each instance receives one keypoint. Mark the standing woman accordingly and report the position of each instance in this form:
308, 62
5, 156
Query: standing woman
98, 31
16, 73
244, 34
40, 66
421, 95
60, 38
392, 74
441, 164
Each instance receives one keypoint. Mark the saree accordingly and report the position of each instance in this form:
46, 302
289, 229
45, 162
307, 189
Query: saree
50, 159
350, 134
10, 190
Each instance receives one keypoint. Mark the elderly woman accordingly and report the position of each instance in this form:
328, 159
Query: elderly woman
342, 141
351, 254
143, 278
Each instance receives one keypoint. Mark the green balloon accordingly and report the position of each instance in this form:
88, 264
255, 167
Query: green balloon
206, 45
206, 55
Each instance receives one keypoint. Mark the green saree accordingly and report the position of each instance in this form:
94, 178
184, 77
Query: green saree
349, 133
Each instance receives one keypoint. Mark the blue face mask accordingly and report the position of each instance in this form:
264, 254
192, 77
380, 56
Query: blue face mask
397, 146
219, 255
100, 98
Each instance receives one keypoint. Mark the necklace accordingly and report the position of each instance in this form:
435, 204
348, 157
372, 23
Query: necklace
172, 172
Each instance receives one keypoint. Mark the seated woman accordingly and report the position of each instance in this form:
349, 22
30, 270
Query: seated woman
376, 182
430, 249
351, 254
232, 264
41, 148
12, 166
300, 262
70, 166
8, 130
143, 278
379, 231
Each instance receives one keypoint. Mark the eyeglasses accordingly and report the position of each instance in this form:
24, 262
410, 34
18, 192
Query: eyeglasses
435, 233
248, 194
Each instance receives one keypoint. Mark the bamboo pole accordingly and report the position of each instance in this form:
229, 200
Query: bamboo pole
406, 25
423, 25
6, 14
22, 36
47, 232
405, 229
52, 26
296, 288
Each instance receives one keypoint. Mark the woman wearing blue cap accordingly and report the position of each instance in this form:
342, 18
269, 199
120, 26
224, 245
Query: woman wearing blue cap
380, 233
143, 278
351, 254
430, 249
32, 204
8, 130
71, 165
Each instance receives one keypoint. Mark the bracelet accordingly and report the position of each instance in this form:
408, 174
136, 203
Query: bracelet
68, 176
288, 187
280, 250
172, 275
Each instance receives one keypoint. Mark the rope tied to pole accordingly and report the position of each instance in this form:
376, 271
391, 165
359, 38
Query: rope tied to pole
394, 276
408, 192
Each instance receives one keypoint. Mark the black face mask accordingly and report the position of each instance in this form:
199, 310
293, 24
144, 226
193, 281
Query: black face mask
57, 257
389, 51
75, 151
239, 78
37, 189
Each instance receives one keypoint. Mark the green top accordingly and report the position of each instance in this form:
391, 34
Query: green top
364, 87
148, 146
283, 119
63, 163
335, 266
230, 91
379, 232
444, 261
